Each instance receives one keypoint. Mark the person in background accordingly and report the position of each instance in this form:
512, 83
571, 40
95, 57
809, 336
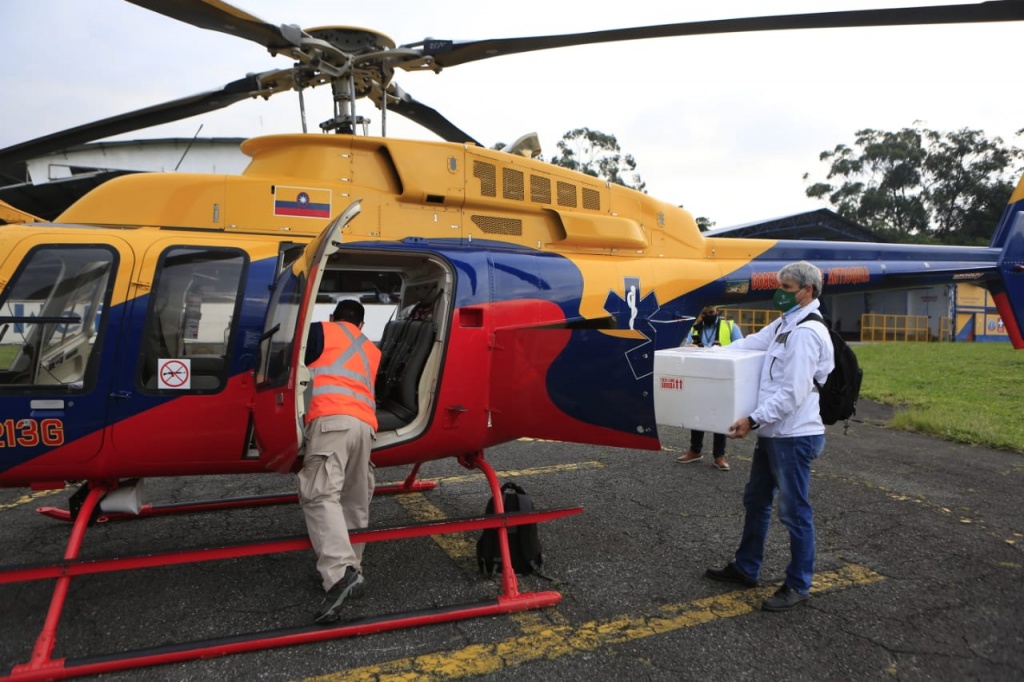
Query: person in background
336, 481
711, 330
790, 436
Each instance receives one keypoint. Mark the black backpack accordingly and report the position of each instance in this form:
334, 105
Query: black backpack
837, 399
523, 541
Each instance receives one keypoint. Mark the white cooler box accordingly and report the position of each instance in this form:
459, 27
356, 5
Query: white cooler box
706, 389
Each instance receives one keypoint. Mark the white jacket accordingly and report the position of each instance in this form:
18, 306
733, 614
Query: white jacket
795, 357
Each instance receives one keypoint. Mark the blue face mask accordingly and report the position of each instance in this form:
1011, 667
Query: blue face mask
784, 301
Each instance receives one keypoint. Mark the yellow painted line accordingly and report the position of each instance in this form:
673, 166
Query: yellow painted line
537, 471
461, 547
547, 634
553, 469
558, 640
892, 494
538, 621
965, 515
25, 499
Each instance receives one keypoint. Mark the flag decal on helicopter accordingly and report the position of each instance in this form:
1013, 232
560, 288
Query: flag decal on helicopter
302, 202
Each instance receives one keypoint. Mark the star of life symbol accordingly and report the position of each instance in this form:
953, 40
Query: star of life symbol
634, 311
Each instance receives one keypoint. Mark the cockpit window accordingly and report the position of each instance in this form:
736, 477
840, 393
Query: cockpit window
51, 315
278, 340
192, 315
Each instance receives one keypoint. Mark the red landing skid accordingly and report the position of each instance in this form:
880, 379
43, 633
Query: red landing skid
409, 485
43, 667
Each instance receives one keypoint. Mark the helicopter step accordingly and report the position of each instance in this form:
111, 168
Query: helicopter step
245, 502
42, 665
269, 639
78, 567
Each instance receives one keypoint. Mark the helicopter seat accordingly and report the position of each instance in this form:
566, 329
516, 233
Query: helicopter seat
405, 346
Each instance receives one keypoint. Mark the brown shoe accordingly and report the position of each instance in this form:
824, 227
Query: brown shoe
690, 456
721, 464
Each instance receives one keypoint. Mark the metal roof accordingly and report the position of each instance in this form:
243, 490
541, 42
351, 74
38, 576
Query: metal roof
823, 223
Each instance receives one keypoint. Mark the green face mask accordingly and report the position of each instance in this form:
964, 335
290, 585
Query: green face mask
784, 300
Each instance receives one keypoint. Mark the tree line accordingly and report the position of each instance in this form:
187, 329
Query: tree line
921, 185
914, 185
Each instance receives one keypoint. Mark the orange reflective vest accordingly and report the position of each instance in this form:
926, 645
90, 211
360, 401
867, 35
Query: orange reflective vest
344, 374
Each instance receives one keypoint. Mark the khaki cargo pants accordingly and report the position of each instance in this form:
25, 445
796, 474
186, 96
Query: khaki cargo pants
335, 489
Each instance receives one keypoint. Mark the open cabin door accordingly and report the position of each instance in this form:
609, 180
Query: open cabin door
281, 378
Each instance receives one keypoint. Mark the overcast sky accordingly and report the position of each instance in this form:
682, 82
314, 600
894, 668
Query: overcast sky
723, 125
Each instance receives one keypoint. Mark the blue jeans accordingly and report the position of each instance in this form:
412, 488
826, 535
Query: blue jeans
783, 465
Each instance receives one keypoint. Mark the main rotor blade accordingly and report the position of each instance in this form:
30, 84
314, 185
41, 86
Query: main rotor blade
429, 118
217, 15
135, 120
449, 53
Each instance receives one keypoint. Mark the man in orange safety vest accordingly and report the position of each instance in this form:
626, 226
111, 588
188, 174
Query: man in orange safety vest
336, 481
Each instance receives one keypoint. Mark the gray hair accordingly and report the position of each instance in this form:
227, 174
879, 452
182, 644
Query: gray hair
803, 273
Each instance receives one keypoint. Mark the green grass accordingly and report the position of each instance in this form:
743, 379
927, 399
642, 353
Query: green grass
964, 392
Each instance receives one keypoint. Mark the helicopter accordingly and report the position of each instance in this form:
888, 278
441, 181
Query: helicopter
519, 299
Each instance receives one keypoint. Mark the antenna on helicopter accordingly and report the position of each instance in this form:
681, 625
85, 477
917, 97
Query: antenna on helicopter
190, 143
528, 145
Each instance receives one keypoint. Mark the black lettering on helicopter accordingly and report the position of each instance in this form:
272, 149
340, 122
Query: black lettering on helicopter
28, 433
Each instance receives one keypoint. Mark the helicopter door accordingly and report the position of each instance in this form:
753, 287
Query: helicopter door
281, 378
174, 374
63, 303
538, 373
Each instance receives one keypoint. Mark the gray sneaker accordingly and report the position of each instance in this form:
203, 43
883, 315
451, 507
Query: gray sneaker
351, 584
784, 599
730, 574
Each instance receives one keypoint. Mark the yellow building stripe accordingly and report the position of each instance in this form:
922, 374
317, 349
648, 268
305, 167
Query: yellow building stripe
556, 640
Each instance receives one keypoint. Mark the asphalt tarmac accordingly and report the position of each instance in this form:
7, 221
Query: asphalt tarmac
919, 573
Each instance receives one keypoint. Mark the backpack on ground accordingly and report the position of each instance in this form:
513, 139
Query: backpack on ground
837, 399
523, 541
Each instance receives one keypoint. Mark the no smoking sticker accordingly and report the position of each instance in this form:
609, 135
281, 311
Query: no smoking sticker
174, 373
